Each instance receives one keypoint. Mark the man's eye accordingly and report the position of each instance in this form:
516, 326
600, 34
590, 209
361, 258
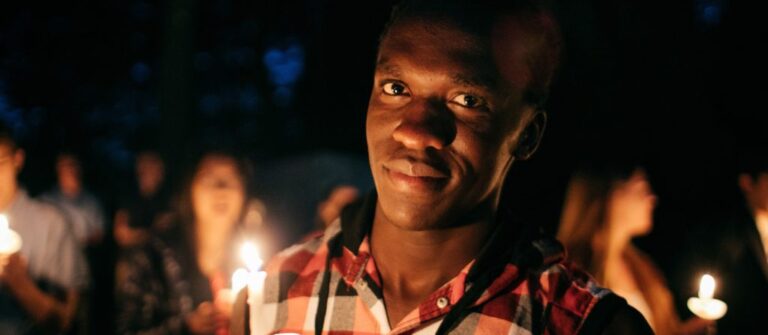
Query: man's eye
394, 89
469, 101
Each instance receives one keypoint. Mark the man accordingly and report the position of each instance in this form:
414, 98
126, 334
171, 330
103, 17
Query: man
457, 98
82, 209
39, 284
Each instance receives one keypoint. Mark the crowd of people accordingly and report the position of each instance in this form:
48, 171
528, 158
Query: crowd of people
177, 248
429, 250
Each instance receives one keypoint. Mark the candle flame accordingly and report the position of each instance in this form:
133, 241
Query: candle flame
239, 280
707, 287
251, 256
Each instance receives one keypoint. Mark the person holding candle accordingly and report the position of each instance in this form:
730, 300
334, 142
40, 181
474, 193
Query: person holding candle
458, 96
40, 285
732, 246
605, 208
175, 283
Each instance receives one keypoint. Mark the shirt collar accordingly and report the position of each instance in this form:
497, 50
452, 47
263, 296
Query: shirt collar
19, 199
510, 241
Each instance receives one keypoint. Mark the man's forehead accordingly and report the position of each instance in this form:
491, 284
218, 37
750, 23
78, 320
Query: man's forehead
6, 147
450, 34
484, 59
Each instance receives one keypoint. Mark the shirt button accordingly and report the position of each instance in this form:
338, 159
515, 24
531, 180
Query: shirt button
442, 302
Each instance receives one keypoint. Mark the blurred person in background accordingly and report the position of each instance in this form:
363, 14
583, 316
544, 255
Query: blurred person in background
339, 197
605, 208
40, 284
83, 212
174, 284
82, 209
732, 245
148, 208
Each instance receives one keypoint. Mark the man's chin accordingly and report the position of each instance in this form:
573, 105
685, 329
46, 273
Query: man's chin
415, 217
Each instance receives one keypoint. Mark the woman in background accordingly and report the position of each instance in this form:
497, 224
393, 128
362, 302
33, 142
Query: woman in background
175, 283
604, 210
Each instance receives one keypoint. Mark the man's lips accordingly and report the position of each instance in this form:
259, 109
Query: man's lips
414, 176
413, 168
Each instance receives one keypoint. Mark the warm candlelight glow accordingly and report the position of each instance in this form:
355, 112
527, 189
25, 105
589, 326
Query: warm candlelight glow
4, 235
10, 241
239, 280
707, 287
251, 256
705, 306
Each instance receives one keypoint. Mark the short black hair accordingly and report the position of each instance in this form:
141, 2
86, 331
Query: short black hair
752, 160
478, 16
7, 135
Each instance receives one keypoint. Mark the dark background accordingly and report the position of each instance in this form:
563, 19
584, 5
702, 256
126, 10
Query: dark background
676, 85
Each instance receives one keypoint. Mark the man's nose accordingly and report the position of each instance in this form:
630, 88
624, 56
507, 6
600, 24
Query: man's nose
426, 124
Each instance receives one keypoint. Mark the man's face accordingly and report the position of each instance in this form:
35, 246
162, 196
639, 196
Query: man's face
755, 190
68, 172
150, 171
10, 164
444, 118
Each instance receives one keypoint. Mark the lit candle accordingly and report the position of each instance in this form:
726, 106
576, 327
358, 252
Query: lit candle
239, 280
705, 306
251, 256
254, 279
242, 277
10, 241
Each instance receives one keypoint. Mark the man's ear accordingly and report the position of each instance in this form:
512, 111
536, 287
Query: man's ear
18, 160
530, 138
745, 182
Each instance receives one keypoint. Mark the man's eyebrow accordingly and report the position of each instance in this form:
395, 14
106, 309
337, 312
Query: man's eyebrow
383, 65
483, 82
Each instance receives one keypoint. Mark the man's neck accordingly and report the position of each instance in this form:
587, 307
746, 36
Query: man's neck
6, 198
70, 192
413, 264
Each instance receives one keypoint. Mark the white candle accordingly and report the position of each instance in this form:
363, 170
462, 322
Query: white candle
10, 241
259, 324
239, 280
705, 306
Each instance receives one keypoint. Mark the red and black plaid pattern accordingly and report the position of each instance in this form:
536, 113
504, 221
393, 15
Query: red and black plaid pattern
554, 300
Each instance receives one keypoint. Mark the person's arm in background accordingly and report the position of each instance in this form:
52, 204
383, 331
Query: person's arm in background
44, 309
125, 236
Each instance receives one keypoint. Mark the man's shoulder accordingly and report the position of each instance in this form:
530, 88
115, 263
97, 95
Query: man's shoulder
564, 279
42, 213
574, 296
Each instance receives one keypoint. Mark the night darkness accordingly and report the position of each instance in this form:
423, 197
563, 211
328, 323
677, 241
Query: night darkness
675, 85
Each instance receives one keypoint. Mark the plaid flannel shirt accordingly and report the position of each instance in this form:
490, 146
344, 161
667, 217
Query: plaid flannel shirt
551, 298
